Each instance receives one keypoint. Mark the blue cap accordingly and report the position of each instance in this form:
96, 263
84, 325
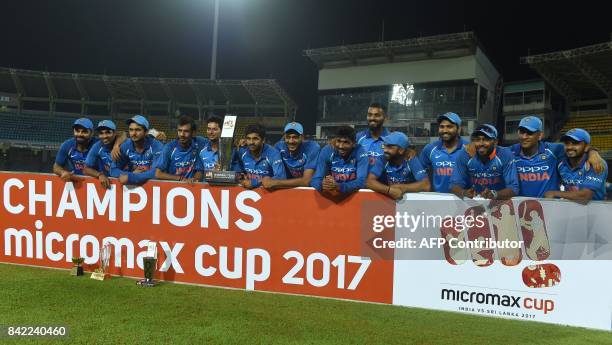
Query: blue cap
452, 117
139, 120
83, 122
107, 124
531, 123
294, 126
577, 134
396, 138
487, 130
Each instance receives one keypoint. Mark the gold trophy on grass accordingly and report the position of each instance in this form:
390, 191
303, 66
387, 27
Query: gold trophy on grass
77, 269
100, 272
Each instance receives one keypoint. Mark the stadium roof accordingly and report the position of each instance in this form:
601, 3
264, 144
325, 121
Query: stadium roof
415, 49
101, 89
578, 74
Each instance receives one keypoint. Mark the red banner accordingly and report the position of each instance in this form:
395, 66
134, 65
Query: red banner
292, 241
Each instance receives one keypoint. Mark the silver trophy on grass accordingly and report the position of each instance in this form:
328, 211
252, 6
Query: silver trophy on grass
101, 273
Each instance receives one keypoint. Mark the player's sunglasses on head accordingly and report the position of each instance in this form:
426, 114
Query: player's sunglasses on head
485, 129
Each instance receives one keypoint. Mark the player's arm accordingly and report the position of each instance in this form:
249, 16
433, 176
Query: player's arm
60, 161
421, 184
303, 181
322, 169
460, 181
116, 151
418, 186
592, 182
362, 175
580, 195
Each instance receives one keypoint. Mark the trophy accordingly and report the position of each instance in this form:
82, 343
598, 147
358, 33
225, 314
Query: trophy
225, 176
100, 272
150, 265
77, 269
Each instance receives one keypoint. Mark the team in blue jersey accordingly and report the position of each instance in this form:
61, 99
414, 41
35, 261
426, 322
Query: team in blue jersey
374, 158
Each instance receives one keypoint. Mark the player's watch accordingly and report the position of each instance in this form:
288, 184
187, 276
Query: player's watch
494, 193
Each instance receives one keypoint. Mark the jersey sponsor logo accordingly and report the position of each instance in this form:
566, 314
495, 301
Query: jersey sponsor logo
534, 169
343, 170
445, 164
483, 174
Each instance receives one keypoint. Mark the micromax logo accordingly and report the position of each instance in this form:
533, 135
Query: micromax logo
544, 305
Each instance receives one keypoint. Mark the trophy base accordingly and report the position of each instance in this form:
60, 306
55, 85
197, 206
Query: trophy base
76, 271
146, 283
221, 178
100, 276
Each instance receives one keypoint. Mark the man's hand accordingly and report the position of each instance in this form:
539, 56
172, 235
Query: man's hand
190, 180
410, 153
104, 181
488, 194
395, 193
268, 183
551, 194
217, 167
329, 183
470, 149
116, 153
161, 136
469, 193
139, 170
66, 176
595, 161
123, 179
246, 183
240, 142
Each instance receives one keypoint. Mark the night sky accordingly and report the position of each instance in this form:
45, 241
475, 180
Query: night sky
265, 38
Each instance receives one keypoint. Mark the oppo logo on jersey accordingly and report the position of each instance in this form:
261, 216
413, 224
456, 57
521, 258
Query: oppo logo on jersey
484, 174
255, 171
445, 164
342, 170
533, 169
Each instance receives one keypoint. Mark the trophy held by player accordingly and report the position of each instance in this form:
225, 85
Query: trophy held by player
225, 175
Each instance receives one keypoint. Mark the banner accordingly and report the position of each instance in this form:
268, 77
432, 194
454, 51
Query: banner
528, 259
559, 273
291, 241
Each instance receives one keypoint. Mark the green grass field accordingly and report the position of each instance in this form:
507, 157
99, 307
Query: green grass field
119, 312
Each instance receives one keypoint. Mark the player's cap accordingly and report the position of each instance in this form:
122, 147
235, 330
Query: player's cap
577, 134
531, 123
396, 138
106, 124
452, 117
139, 120
294, 126
487, 130
83, 122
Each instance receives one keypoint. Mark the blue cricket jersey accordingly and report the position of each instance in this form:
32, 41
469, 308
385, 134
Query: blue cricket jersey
350, 173
575, 179
538, 174
131, 159
72, 159
208, 157
373, 147
181, 161
496, 173
407, 172
100, 158
304, 158
269, 163
440, 163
